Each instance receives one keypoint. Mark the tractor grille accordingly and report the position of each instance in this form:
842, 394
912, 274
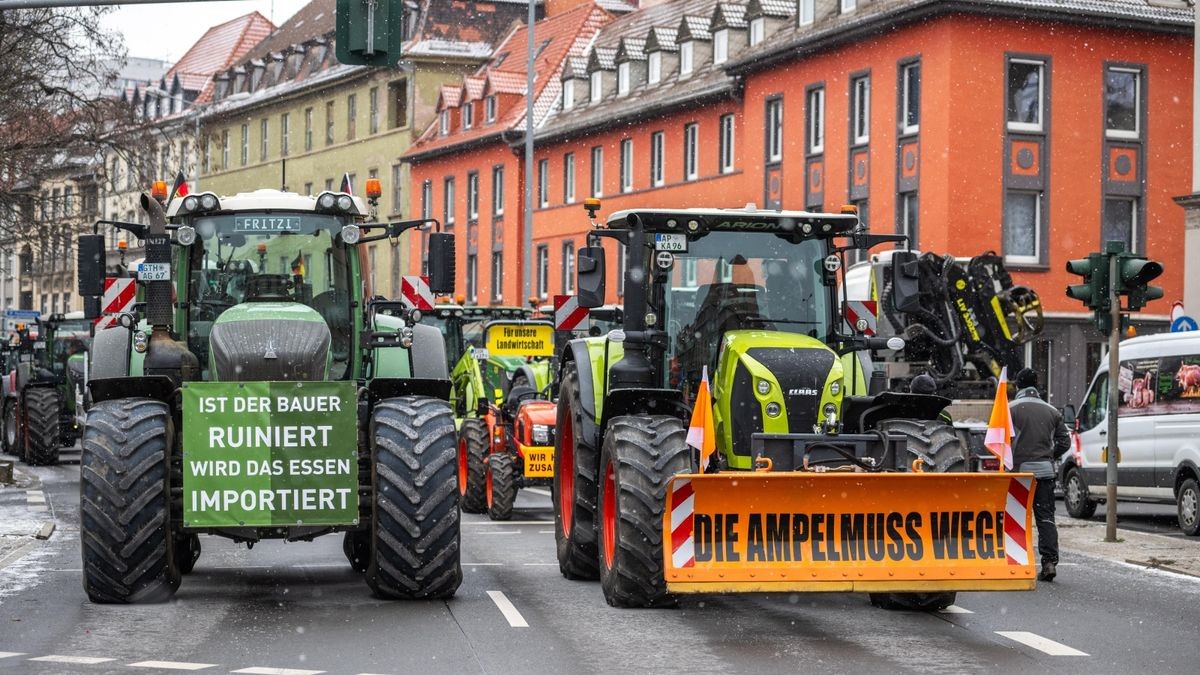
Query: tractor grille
801, 374
255, 351
745, 409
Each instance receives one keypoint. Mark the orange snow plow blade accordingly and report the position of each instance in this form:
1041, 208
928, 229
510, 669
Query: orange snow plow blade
919, 532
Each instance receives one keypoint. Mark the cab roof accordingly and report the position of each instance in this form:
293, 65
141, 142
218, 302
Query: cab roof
266, 199
747, 219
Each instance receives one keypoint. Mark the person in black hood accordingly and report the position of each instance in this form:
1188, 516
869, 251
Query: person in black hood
1040, 438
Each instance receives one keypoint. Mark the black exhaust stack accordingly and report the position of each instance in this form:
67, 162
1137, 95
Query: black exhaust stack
166, 355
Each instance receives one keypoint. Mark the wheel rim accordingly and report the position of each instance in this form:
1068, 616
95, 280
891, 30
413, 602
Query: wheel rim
1075, 491
462, 466
1188, 503
609, 519
566, 473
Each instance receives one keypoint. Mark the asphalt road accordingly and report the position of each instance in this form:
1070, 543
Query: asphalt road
298, 608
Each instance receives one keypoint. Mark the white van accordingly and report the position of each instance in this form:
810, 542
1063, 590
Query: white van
1159, 417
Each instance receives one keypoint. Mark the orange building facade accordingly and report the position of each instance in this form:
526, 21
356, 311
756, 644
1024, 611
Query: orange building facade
1036, 132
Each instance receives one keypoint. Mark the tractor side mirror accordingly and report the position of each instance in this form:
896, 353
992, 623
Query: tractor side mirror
906, 282
591, 276
91, 264
441, 263
91, 306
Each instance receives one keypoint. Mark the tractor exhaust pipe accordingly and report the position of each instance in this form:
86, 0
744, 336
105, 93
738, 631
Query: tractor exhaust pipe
166, 355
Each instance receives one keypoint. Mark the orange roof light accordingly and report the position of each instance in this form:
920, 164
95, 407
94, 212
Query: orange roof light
460, 298
262, 247
158, 189
122, 244
850, 208
374, 188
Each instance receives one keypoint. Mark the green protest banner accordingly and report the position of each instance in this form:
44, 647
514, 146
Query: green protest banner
269, 454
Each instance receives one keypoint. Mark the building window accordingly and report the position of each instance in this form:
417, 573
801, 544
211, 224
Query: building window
498, 190
443, 122
848, 5
860, 109
468, 115
1122, 102
427, 199
568, 278
329, 185
685, 58
351, 116
597, 86
597, 171
224, 148
774, 118
908, 218
1026, 94
285, 132
244, 154
472, 278
626, 165
1022, 227
721, 46
472, 196
816, 120
263, 147
807, 12
497, 276
397, 188
726, 144
569, 178
656, 158
691, 138
1121, 221
308, 129
910, 98
329, 122
758, 30
489, 108
623, 79
654, 68
308, 189
448, 201
543, 185
398, 96
568, 94
373, 102
543, 271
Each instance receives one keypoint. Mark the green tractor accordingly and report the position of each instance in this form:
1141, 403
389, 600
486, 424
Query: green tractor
795, 477
259, 392
43, 387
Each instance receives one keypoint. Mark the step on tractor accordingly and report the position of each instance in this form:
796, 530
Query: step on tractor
44, 374
262, 391
723, 439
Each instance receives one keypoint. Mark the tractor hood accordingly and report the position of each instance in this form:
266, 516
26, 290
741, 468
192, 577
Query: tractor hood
269, 341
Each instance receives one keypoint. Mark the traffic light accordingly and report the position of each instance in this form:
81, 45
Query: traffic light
1135, 274
1094, 290
369, 32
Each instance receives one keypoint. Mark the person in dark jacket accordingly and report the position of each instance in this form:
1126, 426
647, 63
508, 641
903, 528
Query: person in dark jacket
925, 384
1040, 438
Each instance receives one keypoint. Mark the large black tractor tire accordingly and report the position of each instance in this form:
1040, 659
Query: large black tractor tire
10, 437
1075, 495
501, 486
357, 547
640, 455
42, 406
941, 450
473, 444
415, 545
573, 491
187, 552
125, 517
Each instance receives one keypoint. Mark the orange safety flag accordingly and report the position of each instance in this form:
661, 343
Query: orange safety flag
1000, 428
701, 434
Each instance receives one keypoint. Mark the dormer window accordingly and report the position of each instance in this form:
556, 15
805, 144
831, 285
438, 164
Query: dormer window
597, 86
849, 5
758, 30
654, 68
568, 100
721, 46
685, 58
468, 115
489, 106
444, 122
623, 79
807, 12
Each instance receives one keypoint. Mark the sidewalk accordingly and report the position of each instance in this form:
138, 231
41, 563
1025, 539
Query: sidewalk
23, 516
1171, 554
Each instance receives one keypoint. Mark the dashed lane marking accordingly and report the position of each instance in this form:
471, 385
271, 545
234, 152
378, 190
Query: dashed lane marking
504, 523
501, 532
545, 531
78, 660
509, 611
540, 564
172, 665
955, 609
6, 655
259, 670
35, 497
481, 564
538, 491
1044, 645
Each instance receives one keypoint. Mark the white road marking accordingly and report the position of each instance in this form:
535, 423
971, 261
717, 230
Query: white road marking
5, 655
504, 523
545, 531
172, 665
1044, 645
502, 532
259, 670
955, 609
507, 609
482, 564
38, 508
538, 491
540, 564
35, 497
83, 660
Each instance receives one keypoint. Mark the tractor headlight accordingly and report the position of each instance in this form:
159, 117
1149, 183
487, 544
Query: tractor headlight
345, 203
829, 409
351, 234
208, 201
185, 235
406, 337
773, 409
835, 388
191, 202
764, 387
541, 434
327, 201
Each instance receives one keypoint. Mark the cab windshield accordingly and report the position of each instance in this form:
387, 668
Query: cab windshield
271, 257
70, 338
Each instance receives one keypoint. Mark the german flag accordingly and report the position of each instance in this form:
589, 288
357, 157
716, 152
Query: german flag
180, 187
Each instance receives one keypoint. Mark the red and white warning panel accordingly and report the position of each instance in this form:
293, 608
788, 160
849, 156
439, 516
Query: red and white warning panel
862, 316
414, 292
119, 296
568, 315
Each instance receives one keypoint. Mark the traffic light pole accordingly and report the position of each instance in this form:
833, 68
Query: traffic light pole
1114, 392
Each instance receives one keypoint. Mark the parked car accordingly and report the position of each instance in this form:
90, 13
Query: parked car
1158, 413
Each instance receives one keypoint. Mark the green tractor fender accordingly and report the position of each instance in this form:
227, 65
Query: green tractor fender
468, 385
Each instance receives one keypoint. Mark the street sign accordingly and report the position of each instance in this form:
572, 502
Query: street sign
22, 314
1184, 324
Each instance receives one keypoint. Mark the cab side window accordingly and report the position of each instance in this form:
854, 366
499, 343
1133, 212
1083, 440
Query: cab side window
1095, 406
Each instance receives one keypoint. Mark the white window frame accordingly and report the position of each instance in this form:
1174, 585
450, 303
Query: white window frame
816, 120
691, 151
468, 115
725, 150
849, 6
758, 30
627, 165
472, 196
1037, 228
654, 68
447, 199
498, 190
489, 108
568, 94
909, 200
472, 278
1139, 76
860, 109
623, 79
774, 130
245, 144
1029, 126
597, 178
721, 46
596, 86
264, 146
1134, 203
656, 159
285, 133
543, 183
426, 199
806, 12
497, 276
686, 58
906, 74
568, 251
543, 271
443, 123
569, 178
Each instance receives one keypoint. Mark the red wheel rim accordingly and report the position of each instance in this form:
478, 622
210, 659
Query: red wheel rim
609, 520
566, 473
462, 466
489, 484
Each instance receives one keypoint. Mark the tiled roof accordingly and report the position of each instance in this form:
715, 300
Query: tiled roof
313, 20
506, 82
576, 66
219, 48
730, 15
450, 96
473, 86
603, 58
664, 19
632, 49
663, 39
694, 27
775, 8
617, 6
463, 29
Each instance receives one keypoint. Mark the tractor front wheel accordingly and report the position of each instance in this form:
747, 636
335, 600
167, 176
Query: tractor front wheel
640, 456
472, 448
573, 492
42, 406
415, 543
501, 486
125, 516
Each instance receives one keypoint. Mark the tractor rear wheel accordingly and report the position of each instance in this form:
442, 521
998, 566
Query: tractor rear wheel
640, 456
125, 516
42, 406
501, 486
415, 543
573, 492
11, 438
472, 448
941, 450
